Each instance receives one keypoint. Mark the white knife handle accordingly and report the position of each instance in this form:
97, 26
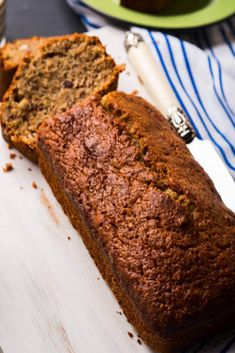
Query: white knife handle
156, 84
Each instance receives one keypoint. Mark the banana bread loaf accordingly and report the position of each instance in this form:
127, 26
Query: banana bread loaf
148, 214
10, 57
151, 6
50, 81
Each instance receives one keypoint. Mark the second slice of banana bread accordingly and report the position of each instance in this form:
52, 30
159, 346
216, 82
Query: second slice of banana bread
64, 70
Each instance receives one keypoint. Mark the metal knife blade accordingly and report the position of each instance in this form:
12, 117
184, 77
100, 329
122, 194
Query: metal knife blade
145, 65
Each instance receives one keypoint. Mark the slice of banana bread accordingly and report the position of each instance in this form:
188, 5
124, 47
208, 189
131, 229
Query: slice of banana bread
10, 57
149, 215
63, 71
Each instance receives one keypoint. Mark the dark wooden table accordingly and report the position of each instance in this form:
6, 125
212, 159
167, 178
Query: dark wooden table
26, 18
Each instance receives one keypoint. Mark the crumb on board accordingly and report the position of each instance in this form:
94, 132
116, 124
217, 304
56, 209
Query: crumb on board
128, 73
130, 334
20, 157
119, 312
34, 185
21, 187
68, 237
122, 66
12, 155
8, 167
139, 341
135, 92
98, 278
29, 169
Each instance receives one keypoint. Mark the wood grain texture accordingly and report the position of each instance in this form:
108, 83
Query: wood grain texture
52, 297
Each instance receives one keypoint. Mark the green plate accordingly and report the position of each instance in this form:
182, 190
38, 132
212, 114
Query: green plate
182, 13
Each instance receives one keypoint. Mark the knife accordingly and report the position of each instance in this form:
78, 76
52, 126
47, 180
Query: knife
147, 68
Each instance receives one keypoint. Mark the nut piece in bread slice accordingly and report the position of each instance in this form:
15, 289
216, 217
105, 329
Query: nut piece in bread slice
66, 69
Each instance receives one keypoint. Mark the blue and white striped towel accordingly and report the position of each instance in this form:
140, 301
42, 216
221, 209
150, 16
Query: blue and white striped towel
200, 68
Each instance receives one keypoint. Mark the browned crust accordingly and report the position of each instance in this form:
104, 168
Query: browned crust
26, 149
171, 343
6, 77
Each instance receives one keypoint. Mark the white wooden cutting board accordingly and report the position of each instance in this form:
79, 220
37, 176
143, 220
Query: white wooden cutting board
52, 297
